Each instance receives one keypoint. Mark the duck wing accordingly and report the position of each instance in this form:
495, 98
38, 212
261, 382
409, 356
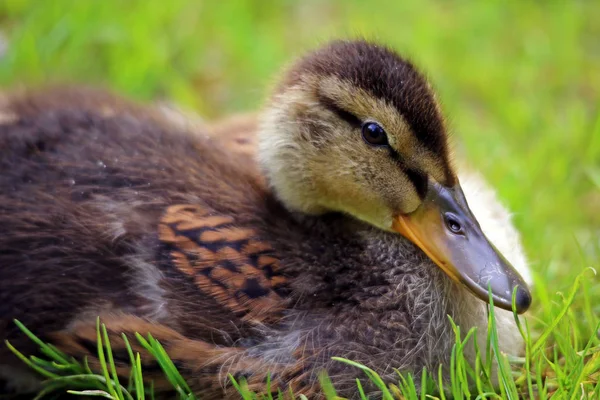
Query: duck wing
228, 262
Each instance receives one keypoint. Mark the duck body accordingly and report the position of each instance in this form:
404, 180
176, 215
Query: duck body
108, 209
85, 193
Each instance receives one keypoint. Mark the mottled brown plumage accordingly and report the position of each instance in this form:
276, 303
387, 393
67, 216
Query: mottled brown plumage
111, 209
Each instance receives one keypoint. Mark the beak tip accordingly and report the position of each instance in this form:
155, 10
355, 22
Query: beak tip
523, 299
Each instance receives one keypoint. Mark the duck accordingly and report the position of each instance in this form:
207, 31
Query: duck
336, 225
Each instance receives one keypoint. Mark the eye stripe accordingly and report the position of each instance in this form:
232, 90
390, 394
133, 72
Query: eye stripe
419, 180
340, 112
416, 177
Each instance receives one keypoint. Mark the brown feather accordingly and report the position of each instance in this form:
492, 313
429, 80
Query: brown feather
108, 208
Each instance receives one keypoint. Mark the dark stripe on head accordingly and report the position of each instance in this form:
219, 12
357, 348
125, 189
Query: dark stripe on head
416, 177
385, 75
340, 112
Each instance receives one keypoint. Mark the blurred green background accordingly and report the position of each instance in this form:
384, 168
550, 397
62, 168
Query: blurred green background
519, 81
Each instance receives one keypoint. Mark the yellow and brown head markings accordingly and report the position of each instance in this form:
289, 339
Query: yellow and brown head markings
372, 81
359, 106
386, 76
226, 261
316, 121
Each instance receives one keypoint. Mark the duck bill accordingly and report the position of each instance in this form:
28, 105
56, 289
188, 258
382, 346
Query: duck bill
464, 254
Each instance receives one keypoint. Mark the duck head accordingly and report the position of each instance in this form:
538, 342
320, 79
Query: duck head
355, 128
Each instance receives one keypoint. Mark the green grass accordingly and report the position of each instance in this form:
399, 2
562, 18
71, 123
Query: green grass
66, 374
552, 367
519, 82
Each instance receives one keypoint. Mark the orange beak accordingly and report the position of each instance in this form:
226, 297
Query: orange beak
445, 229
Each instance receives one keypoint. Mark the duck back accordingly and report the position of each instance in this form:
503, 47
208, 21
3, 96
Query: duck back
85, 179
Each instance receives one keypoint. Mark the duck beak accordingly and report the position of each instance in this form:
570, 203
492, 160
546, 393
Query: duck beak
445, 229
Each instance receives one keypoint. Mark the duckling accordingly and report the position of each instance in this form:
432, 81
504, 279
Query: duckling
238, 134
352, 237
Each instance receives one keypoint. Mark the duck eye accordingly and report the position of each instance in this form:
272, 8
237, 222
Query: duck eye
374, 134
453, 224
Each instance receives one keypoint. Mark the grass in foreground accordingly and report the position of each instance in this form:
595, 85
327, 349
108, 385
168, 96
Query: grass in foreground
557, 364
518, 80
